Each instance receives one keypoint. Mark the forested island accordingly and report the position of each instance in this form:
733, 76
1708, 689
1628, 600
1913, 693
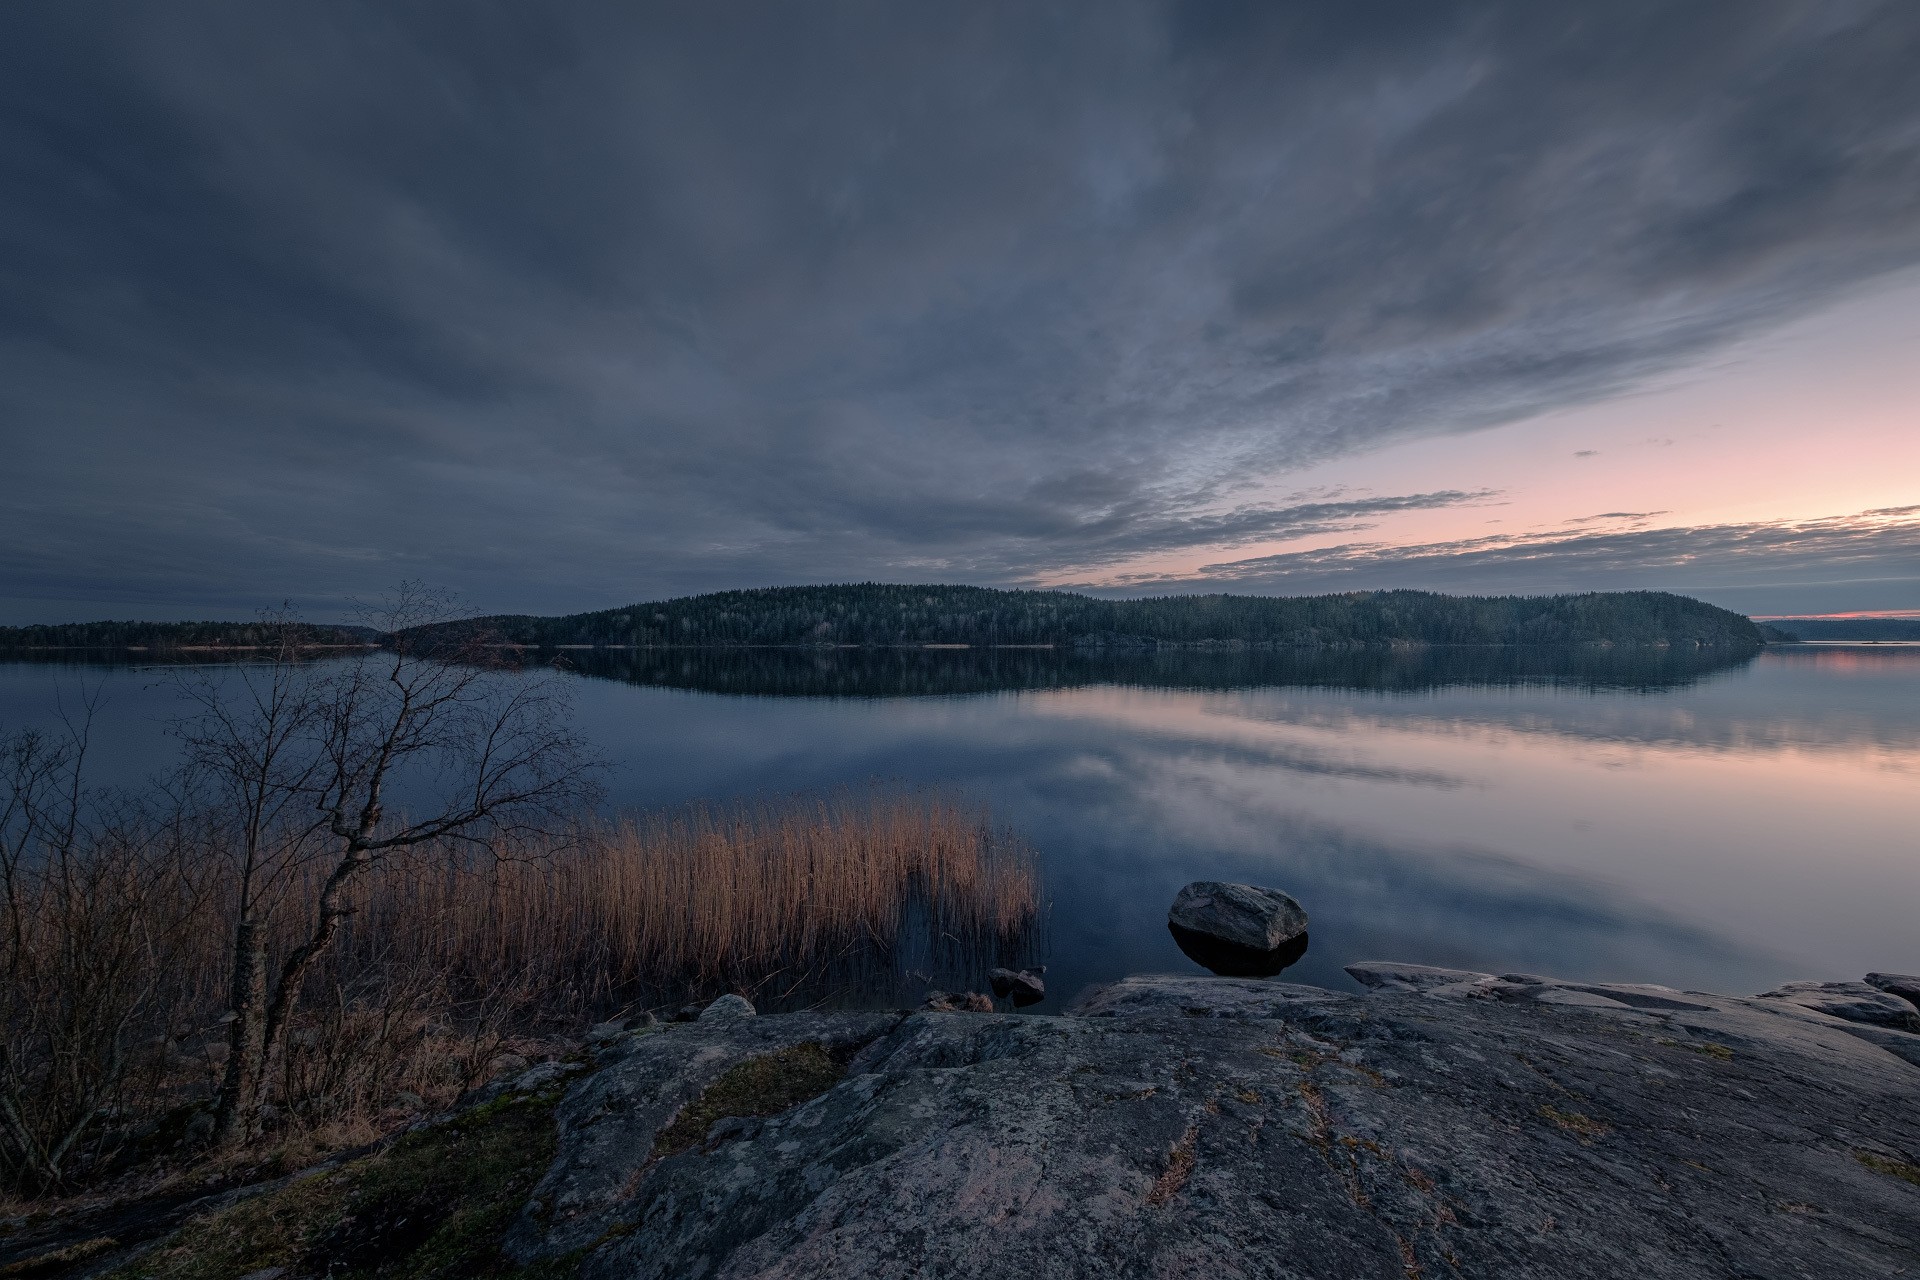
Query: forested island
883, 614
879, 614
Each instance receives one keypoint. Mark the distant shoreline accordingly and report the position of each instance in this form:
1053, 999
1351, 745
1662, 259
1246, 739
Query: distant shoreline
933, 617
1169, 646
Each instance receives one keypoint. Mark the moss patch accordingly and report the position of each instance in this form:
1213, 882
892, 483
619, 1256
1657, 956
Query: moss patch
434, 1204
762, 1086
1583, 1127
1902, 1169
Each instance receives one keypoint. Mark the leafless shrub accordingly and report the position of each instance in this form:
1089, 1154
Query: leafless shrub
100, 897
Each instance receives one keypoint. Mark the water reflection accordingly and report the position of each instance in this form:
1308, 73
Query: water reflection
1678, 817
905, 673
1230, 960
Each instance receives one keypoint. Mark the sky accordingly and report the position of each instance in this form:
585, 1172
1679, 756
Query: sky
569, 306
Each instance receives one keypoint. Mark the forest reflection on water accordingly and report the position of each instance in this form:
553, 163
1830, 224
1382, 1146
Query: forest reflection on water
1725, 821
935, 672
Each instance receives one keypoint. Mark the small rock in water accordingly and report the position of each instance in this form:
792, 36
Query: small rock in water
727, 1008
959, 1002
1023, 986
1242, 914
1904, 985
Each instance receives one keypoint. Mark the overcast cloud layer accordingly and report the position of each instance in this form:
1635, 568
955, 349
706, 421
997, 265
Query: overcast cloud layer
567, 306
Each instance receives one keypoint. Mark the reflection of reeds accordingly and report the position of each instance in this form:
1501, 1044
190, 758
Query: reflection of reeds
808, 897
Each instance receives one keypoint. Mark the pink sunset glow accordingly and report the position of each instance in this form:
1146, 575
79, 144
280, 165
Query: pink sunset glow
1803, 442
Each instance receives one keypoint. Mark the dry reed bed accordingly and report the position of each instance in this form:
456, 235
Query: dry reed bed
738, 897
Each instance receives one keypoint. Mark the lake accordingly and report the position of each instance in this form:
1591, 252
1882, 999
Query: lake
1719, 823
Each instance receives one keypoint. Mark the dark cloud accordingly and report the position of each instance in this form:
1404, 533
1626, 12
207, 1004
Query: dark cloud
1738, 563
572, 305
1617, 515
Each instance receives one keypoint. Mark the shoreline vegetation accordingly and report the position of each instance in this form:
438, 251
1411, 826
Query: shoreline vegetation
368, 886
874, 615
457, 964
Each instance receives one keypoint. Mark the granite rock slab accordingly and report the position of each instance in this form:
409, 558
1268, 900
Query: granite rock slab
1238, 1128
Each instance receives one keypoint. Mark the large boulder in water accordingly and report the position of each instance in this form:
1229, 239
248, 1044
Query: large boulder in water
1243, 915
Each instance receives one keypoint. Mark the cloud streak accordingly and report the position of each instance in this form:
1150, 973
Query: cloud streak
1878, 544
605, 302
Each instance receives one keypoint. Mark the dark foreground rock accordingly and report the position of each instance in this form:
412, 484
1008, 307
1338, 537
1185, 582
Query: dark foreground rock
1446, 1124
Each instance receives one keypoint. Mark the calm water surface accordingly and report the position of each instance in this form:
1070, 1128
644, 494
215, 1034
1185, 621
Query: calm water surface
1711, 823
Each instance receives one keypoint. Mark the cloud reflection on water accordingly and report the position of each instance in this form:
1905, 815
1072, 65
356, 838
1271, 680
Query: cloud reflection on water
1636, 829
1653, 817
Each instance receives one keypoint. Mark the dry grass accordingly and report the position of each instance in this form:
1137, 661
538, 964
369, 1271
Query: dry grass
1180, 1163
456, 961
786, 903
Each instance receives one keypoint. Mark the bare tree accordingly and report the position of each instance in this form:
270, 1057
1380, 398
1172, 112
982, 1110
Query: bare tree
251, 760
329, 767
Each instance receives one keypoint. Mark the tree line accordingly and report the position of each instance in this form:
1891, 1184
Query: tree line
181, 635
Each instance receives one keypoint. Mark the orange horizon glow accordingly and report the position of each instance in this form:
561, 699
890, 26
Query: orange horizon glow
1902, 614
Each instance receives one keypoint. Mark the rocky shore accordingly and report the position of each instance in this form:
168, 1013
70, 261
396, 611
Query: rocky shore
1443, 1124
1440, 1124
